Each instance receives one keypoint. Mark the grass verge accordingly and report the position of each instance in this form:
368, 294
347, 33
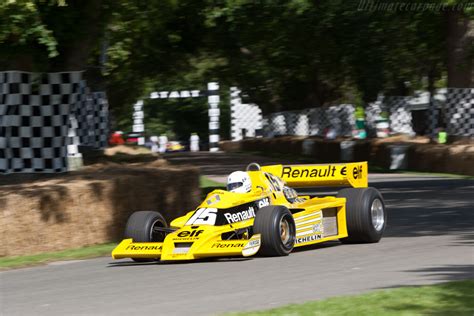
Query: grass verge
452, 298
205, 182
70, 254
207, 185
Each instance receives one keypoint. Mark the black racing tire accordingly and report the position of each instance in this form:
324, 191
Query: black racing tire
277, 227
366, 215
140, 228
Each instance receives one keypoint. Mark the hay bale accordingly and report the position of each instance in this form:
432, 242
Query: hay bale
460, 159
362, 150
90, 207
442, 158
428, 158
380, 155
230, 146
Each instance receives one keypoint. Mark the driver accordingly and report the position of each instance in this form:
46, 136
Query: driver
239, 182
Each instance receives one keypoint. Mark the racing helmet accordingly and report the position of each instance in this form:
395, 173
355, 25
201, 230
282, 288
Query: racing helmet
239, 182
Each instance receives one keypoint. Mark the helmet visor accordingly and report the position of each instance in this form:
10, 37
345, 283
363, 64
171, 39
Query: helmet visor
234, 185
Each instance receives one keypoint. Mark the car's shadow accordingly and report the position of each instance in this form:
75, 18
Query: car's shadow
124, 263
327, 244
131, 263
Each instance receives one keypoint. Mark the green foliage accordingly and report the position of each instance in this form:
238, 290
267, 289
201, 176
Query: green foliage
55, 35
282, 54
21, 25
297, 54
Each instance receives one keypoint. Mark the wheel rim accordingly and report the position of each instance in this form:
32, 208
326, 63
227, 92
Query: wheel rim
377, 212
156, 235
284, 230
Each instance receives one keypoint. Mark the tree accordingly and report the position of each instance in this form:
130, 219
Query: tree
460, 49
283, 54
296, 54
51, 35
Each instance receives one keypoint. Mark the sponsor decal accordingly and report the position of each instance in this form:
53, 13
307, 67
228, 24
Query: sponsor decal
253, 243
189, 235
222, 245
307, 239
324, 172
252, 246
240, 216
320, 172
193, 233
135, 247
249, 212
357, 172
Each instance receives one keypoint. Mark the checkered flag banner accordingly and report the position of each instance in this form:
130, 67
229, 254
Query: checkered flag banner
39, 124
458, 116
373, 114
398, 111
91, 110
314, 121
246, 119
400, 115
460, 111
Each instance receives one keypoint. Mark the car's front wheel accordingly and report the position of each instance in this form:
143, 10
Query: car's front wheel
142, 227
277, 227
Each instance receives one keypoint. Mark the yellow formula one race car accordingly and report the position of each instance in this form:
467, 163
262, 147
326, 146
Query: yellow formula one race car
260, 213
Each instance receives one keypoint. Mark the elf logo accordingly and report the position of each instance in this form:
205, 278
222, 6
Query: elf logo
357, 172
194, 233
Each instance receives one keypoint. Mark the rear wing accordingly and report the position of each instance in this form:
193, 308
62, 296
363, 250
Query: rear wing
353, 173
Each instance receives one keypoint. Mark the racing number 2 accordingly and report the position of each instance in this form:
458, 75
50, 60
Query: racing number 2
203, 216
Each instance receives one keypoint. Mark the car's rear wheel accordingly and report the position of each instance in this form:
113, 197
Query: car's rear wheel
277, 228
366, 215
141, 227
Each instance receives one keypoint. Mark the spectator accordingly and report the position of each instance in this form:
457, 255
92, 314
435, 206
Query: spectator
116, 138
162, 141
154, 144
194, 142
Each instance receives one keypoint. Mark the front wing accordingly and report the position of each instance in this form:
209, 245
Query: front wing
188, 243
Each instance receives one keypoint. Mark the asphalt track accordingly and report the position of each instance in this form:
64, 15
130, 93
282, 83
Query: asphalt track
429, 239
